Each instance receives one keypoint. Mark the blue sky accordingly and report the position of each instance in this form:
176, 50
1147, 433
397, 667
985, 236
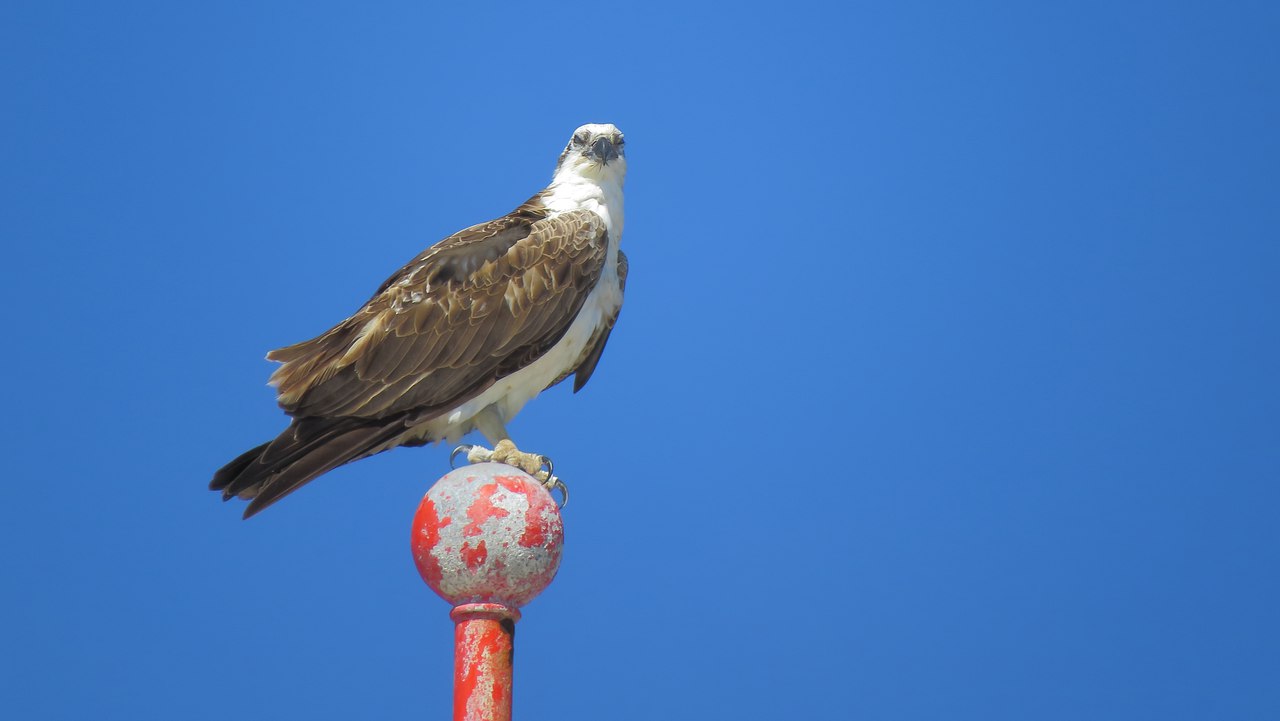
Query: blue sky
945, 387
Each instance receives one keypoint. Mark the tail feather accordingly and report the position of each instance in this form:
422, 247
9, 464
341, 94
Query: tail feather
305, 450
226, 475
243, 476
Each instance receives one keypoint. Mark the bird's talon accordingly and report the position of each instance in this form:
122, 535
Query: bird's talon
462, 450
505, 452
551, 483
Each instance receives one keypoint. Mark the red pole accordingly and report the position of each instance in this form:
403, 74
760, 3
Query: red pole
483, 647
487, 538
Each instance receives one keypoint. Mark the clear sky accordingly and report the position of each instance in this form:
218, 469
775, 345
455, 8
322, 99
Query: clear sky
945, 387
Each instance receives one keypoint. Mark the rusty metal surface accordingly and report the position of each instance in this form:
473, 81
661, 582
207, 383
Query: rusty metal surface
484, 646
488, 533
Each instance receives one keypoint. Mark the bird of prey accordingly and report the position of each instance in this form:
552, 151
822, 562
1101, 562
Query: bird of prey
460, 338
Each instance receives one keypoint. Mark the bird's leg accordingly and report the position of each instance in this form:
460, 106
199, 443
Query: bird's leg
504, 450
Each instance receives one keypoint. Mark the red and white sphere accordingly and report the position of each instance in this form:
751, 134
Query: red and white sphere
488, 533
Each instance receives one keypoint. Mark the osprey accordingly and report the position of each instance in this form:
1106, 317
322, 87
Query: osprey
460, 338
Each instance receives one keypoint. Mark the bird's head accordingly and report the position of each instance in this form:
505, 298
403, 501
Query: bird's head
596, 150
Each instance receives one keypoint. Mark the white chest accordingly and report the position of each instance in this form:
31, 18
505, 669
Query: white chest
602, 196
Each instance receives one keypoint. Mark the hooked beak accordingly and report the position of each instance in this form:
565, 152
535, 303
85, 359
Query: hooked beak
602, 150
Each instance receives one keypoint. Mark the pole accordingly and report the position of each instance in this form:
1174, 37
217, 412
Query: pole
483, 660
487, 538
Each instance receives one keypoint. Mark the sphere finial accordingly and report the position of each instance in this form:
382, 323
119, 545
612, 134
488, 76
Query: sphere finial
488, 533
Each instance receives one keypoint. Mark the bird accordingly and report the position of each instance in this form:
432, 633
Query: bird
460, 338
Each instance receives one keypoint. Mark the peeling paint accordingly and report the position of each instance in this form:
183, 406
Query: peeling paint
512, 517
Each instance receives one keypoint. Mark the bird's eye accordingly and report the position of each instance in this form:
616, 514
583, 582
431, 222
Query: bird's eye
619, 141
580, 139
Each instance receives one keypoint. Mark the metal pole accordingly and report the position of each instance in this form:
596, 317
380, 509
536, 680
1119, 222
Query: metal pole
484, 648
487, 538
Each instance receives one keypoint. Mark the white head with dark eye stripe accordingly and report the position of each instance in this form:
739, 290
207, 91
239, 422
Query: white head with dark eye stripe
595, 150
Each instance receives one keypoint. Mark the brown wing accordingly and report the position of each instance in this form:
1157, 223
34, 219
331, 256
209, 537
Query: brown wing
475, 307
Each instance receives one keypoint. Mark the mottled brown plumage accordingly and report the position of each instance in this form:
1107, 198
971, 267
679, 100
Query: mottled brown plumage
449, 323
471, 310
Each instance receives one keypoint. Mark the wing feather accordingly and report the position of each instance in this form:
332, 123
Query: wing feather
583, 372
474, 307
